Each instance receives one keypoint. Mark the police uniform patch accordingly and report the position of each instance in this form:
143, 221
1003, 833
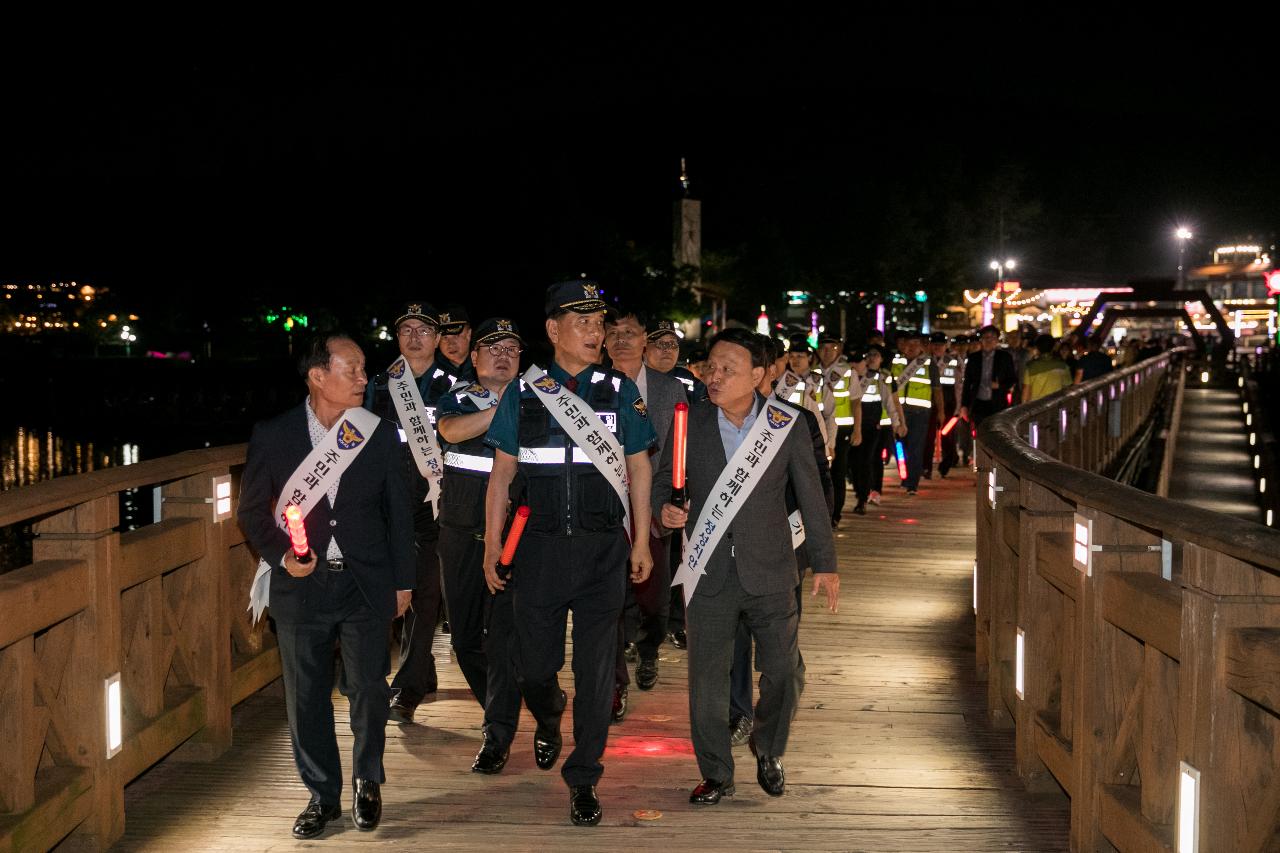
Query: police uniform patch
348, 436
547, 385
396, 370
478, 390
640, 407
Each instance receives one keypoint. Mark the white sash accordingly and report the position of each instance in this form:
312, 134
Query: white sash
581, 423
736, 483
481, 396
310, 482
417, 427
797, 529
787, 384
909, 371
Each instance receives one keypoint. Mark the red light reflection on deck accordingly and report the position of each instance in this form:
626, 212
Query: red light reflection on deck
650, 747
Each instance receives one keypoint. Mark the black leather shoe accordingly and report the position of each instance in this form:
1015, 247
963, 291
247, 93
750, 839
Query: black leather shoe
631, 652
546, 748
366, 808
860, 509
770, 775
491, 758
584, 805
678, 639
709, 792
619, 703
740, 730
402, 712
647, 674
312, 820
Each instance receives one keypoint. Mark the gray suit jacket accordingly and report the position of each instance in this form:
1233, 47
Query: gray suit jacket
759, 538
662, 394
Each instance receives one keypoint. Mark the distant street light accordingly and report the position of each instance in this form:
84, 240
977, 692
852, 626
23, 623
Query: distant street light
1001, 267
1183, 234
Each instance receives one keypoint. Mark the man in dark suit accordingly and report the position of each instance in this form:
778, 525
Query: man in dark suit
359, 575
989, 376
624, 340
751, 573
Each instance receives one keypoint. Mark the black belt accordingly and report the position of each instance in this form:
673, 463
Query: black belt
337, 565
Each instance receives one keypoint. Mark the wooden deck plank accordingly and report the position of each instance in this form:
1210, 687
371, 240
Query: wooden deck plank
890, 750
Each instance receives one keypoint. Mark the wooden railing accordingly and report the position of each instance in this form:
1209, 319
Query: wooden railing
162, 606
1149, 630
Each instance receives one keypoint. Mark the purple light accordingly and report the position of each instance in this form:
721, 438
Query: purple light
880, 317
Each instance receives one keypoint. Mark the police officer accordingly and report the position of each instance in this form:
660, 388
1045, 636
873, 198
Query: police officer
575, 552
963, 432
482, 631
948, 375
417, 333
917, 387
841, 389
801, 385
453, 358
881, 422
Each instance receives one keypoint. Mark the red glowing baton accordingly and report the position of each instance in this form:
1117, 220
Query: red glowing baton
513, 536
297, 534
902, 462
951, 424
680, 433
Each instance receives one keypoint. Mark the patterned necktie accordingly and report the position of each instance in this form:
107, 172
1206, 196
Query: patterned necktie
572, 384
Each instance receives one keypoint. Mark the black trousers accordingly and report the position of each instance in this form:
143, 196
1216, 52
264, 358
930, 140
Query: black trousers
416, 676
930, 444
552, 575
653, 601
675, 614
482, 632
306, 656
887, 445
740, 676
948, 442
864, 460
840, 468
713, 626
982, 409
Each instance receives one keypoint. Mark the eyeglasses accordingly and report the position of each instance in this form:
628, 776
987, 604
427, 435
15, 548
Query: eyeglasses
511, 350
665, 345
415, 332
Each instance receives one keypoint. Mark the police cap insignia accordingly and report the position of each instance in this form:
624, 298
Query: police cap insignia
444, 318
348, 436
640, 407
590, 291
778, 418
504, 326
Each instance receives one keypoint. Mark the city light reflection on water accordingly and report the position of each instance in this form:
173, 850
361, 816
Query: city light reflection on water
33, 455
30, 456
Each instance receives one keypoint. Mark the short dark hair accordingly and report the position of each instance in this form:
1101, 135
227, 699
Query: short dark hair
1093, 342
314, 352
1045, 344
748, 340
613, 316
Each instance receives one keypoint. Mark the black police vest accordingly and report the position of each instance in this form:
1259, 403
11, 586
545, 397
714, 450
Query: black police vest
564, 491
466, 477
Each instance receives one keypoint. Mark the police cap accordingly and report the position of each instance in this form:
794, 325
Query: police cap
495, 329
938, 338
799, 343
417, 309
581, 296
453, 319
662, 327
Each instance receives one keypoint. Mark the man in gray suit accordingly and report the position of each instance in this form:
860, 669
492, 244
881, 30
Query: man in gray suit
624, 339
751, 573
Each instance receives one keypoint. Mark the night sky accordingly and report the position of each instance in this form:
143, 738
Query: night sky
486, 165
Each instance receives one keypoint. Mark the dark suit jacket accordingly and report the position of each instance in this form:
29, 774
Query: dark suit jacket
1003, 373
372, 516
661, 395
760, 535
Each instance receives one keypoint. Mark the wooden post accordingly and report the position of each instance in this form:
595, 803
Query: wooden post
208, 616
87, 532
17, 726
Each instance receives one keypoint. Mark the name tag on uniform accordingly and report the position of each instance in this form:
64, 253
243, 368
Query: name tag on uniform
610, 420
403, 438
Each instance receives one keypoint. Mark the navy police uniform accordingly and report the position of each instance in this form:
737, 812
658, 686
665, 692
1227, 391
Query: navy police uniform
482, 630
416, 676
574, 554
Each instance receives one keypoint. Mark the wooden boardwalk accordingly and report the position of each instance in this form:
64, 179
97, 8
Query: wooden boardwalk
890, 751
